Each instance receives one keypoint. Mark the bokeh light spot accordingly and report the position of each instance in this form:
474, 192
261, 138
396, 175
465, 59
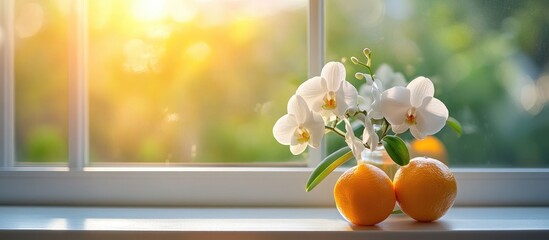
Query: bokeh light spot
529, 99
29, 20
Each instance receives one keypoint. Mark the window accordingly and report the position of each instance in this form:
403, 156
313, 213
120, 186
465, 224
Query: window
488, 60
136, 65
165, 82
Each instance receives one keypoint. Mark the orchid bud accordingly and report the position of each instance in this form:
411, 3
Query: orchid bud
359, 75
367, 52
354, 60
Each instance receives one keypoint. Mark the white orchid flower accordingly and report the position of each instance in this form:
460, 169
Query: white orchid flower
414, 108
354, 143
370, 93
300, 127
330, 94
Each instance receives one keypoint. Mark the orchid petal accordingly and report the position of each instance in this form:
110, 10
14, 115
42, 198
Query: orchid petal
350, 93
377, 86
366, 135
368, 79
284, 129
341, 103
416, 132
431, 116
354, 143
395, 104
334, 74
363, 103
315, 126
384, 72
400, 128
375, 113
313, 91
298, 107
365, 90
375, 109
398, 80
298, 148
420, 88
389, 77
369, 135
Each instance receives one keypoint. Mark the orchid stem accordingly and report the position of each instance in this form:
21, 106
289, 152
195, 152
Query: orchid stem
336, 131
385, 128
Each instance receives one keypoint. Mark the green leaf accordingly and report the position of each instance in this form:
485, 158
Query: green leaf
454, 124
397, 150
328, 165
397, 212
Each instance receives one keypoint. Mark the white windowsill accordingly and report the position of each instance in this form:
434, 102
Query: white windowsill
263, 223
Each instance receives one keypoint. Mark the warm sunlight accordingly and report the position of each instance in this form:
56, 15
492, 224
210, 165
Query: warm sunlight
196, 58
169, 81
150, 10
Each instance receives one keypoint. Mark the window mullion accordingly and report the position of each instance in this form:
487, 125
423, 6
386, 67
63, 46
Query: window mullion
78, 97
7, 126
316, 60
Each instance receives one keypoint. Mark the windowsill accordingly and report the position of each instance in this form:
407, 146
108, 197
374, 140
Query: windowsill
263, 223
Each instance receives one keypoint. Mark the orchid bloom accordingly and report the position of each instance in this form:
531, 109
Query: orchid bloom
354, 143
414, 108
330, 94
370, 93
300, 127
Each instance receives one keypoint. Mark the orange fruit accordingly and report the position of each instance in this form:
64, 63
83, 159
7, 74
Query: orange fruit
425, 189
364, 195
431, 147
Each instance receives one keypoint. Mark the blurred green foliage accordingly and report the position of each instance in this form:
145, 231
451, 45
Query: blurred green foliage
483, 56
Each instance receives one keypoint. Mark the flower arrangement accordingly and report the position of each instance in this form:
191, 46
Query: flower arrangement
384, 107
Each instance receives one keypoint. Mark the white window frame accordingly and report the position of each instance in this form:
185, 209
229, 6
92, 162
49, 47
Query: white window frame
78, 184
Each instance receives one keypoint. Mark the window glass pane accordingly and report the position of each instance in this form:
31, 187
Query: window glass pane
192, 81
487, 58
41, 98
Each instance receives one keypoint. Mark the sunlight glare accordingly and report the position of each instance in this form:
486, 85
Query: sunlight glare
183, 11
57, 224
150, 10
